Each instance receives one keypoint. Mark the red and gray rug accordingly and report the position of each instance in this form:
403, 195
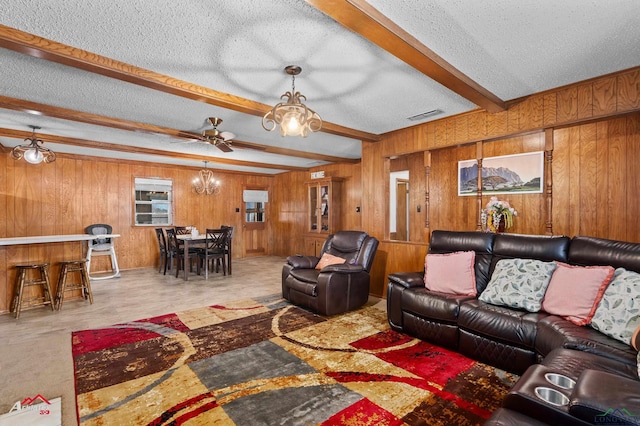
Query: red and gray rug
266, 362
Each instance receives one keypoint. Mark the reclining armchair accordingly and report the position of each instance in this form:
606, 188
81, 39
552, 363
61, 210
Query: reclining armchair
338, 287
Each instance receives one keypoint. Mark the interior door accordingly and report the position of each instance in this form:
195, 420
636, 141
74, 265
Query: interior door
402, 202
254, 235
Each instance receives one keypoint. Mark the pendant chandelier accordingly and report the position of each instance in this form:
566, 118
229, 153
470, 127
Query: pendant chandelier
204, 183
293, 117
32, 151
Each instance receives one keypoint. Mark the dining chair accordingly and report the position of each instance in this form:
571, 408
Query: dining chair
164, 253
182, 230
229, 245
214, 250
176, 252
185, 230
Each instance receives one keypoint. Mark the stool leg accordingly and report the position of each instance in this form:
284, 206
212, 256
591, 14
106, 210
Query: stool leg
46, 287
17, 297
86, 283
89, 251
62, 283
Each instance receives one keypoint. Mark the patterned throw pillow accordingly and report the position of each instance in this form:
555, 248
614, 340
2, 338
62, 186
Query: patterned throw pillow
618, 314
519, 283
329, 259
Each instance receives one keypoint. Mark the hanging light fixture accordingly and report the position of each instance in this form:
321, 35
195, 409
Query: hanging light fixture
294, 117
32, 151
204, 183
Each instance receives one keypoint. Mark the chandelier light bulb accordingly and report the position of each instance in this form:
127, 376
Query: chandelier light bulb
33, 150
292, 123
33, 156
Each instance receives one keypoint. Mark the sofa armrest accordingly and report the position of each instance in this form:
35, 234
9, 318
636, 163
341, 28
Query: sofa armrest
303, 262
342, 268
601, 397
408, 279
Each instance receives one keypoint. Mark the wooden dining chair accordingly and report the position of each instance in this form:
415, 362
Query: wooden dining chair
214, 250
177, 252
229, 245
163, 249
182, 230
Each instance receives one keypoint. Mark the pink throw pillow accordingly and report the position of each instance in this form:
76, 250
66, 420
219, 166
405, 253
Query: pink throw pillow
329, 259
451, 273
575, 291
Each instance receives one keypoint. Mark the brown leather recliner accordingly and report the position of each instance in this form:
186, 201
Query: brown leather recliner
335, 288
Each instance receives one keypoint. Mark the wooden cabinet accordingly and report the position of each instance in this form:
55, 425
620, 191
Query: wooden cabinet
323, 212
323, 205
313, 244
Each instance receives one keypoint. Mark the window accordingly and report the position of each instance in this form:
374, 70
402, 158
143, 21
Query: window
153, 203
255, 211
255, 204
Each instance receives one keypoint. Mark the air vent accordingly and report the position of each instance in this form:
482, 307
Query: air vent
424, 115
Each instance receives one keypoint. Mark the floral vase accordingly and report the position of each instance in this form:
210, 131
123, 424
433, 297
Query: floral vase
502, 225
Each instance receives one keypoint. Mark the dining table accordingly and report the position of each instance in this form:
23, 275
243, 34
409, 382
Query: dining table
190, 240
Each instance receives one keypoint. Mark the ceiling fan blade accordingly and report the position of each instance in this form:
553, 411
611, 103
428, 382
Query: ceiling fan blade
227, 135
224, 147
189, 135
244, 145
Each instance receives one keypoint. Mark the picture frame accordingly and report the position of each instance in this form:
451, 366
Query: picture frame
505, 174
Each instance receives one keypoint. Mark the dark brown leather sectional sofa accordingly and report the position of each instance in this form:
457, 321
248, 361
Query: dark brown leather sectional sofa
605, 371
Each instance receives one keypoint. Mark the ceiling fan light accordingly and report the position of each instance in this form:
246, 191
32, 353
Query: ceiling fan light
215, 137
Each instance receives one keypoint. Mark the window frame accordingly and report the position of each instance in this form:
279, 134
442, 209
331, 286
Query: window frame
160, 207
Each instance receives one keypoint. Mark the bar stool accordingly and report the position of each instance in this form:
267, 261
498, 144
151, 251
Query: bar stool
78, 266
22, 282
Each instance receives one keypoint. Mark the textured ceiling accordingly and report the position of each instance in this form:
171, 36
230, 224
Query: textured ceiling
240, 48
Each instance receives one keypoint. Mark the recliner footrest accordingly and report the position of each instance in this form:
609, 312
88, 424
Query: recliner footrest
310, 289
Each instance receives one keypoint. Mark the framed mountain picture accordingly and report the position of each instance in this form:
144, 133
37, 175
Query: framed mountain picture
506, 174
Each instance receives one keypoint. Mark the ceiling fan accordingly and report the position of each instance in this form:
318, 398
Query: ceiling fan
221, 140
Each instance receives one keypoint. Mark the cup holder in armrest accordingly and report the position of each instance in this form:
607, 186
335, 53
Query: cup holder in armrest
551, 396
560, 380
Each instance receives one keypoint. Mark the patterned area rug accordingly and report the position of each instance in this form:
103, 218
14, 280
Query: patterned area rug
266, 362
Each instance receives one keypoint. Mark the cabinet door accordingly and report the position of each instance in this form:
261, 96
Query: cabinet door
324, 207
314, 218
313, 246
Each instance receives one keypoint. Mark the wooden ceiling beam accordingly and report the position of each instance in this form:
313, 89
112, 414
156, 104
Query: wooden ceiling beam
22, 105
21, 134
362, 18
36, 108
39, 47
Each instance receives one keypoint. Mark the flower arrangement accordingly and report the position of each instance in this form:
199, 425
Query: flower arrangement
497, 213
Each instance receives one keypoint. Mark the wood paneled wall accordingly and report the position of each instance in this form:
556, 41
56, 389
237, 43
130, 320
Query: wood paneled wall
290, 205
595, 126
66, 196
449, 211
595, 99
596, 179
